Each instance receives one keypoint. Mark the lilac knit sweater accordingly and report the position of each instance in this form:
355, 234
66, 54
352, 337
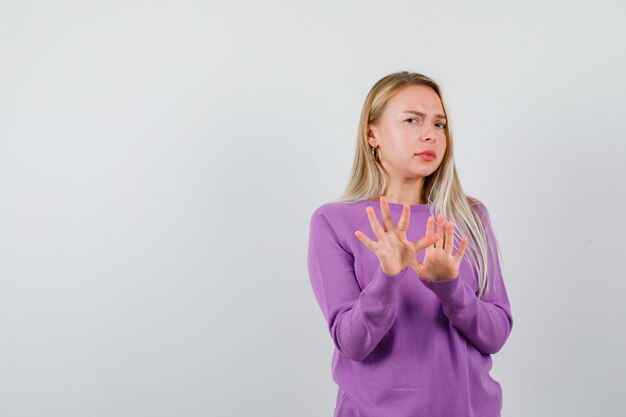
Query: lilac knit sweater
405, 346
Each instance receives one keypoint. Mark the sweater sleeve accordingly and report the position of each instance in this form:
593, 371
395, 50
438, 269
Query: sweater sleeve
357, 319
486, 323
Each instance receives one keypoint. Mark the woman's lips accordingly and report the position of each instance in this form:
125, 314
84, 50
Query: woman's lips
426, 156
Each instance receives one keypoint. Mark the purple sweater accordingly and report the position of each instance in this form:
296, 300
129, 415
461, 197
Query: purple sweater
405, 346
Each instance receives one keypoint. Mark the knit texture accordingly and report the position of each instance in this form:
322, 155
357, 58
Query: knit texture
405, 346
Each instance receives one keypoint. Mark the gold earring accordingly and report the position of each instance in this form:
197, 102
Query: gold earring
374, 154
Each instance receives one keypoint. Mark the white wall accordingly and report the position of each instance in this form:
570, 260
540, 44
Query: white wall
159, 162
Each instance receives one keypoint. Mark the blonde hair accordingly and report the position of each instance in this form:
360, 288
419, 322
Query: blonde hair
442, 189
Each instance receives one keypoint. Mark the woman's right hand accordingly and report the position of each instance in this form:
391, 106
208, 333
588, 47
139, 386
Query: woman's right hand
393, 250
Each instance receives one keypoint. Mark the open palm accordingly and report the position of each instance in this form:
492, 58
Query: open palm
439, 263
393, 249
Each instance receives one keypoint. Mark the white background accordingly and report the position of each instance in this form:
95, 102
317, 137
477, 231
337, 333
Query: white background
159, 163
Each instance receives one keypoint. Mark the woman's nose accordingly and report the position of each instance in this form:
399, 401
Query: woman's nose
428, 137
429, 134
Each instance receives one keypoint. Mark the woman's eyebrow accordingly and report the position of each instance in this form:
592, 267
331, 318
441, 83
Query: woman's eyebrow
419, 113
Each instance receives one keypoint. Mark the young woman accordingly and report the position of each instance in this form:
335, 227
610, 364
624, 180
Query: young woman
416, 306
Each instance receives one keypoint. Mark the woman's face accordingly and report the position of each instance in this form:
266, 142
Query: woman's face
412, 122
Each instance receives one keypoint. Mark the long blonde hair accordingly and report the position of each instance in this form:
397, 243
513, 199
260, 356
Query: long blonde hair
442, 189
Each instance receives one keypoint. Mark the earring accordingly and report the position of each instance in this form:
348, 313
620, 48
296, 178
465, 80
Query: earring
374, 154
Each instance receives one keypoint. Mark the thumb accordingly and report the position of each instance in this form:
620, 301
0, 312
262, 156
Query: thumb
425, 242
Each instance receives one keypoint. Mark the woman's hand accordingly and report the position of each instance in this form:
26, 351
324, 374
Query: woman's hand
393, 250
439, 263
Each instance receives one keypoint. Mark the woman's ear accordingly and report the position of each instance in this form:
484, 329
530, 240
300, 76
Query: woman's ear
371, 139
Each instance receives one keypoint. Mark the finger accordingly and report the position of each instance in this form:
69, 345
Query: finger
430, 226
459, 253
376, 228
366, 240
440, 231
425, 242
384, 213
449, 242
403, 223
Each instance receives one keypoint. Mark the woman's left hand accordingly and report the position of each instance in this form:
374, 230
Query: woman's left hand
439, 264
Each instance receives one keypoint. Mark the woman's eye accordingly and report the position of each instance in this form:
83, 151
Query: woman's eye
413, 118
